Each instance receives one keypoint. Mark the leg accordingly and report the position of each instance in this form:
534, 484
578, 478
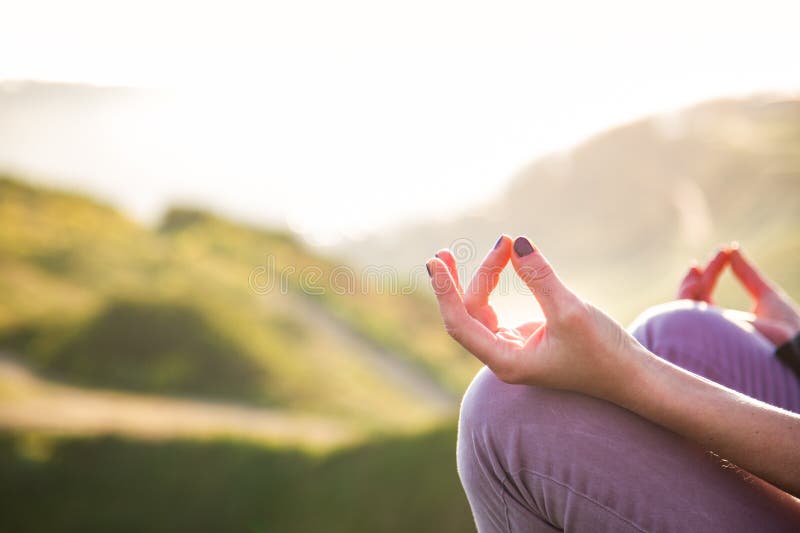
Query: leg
708, 341
535, 459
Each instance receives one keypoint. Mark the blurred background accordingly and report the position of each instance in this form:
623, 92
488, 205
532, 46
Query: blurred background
214, 219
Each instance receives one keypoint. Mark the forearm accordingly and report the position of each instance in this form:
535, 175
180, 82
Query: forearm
756, 436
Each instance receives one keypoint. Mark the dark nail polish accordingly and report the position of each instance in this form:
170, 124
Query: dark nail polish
498, 242
428, 269
523, 247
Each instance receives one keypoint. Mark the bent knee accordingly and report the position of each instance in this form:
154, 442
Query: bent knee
505, 427
695, 335
485, 400
492, 411
529, 443
680, 318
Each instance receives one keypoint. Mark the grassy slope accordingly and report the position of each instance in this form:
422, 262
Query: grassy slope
386, 307
92, 297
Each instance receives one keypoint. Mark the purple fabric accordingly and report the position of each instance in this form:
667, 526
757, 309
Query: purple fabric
536, 459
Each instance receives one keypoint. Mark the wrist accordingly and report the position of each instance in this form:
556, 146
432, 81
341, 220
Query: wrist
637, 374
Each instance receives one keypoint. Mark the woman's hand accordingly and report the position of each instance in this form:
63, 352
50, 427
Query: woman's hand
484, 281
777, 316
698, 284
577, 347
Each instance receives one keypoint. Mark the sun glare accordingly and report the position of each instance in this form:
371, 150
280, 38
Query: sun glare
340, 120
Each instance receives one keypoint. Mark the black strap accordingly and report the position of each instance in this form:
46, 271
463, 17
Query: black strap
789, 354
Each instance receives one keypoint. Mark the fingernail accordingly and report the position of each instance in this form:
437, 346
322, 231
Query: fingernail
523, 247
428, 268
498, 242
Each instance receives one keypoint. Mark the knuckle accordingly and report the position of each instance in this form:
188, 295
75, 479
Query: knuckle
453, 329
573, 314
536, 273
544, 272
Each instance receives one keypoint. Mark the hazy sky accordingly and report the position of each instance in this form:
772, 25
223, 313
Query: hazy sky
381, 112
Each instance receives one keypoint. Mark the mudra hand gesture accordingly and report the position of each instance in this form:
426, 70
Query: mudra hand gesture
775, 315
577, 347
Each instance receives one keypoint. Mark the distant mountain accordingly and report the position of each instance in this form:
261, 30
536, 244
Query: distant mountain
621, 214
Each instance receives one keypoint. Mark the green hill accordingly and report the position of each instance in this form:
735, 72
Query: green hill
156, 354
94, 298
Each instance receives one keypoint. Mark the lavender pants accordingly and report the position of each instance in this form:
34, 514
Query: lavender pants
536, 459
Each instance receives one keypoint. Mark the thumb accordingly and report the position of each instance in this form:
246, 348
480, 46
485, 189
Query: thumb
748, 274
532, 267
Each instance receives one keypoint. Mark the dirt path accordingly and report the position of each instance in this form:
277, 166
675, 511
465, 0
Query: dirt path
31, 403
391, 366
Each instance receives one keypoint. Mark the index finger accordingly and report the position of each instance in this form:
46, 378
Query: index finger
485, 279
756, 283
467, 331
445, 255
